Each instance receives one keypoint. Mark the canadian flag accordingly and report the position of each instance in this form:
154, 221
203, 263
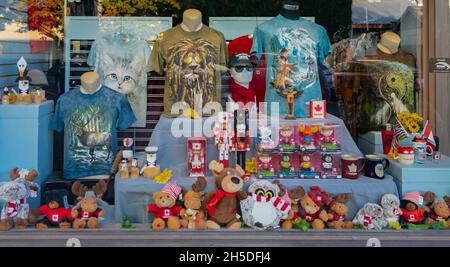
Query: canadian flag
428, 134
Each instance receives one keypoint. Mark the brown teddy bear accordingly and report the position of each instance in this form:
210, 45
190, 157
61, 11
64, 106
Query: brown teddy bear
222, 204
165, 209
192, 217
293, 197
54, 216
87, 211
311, 208
438, 208
337, 213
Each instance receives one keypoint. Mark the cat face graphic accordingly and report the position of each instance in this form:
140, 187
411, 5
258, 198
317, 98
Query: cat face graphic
122, 74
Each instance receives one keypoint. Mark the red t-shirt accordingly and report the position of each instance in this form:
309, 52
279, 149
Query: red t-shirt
53, 215
164, 213
244, 44
415, 216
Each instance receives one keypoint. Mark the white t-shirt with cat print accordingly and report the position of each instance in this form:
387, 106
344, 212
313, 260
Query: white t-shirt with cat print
122, 66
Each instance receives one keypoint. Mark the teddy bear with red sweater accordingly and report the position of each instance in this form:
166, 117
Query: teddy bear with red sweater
411, 211
165, 209
311, 208
54, 215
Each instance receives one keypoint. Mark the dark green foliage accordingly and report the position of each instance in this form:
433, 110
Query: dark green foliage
335, 16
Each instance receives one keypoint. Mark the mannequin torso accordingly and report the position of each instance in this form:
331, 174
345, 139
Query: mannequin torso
90, 83
290, 9
192, 20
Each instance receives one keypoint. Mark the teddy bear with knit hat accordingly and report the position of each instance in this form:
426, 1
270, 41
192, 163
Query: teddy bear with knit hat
411, 211
165, 210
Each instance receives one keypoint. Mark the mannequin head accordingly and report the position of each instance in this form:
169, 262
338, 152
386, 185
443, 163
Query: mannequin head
290, 9
192, 20
242, 68
90, 81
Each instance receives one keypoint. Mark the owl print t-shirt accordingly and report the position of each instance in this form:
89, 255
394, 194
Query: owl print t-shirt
90, 123
121, 63
294, 48
192, 63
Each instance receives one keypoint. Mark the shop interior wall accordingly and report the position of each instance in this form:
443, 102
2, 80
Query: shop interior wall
443, 79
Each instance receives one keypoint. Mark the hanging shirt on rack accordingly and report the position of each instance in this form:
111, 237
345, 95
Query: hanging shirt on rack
294, 49
90, 123
121, 61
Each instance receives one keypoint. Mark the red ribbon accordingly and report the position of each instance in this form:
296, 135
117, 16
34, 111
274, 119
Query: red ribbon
217, 198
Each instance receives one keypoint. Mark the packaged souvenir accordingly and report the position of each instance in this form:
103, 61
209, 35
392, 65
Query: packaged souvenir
250, 166
267, 164
331, 165
317, 109
134, 170
308, 138
288, 165
223, 137
287, 141
196, 162
123, 169
329, 137
265, 141
5, 96
310, 165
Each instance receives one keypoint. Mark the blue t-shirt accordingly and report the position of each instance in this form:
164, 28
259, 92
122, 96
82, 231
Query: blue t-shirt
90, 123
293, 50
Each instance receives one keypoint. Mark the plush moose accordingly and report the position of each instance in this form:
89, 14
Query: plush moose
192, 216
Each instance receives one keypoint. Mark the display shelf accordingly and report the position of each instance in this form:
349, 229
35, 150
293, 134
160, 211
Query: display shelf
431, 176
370, 143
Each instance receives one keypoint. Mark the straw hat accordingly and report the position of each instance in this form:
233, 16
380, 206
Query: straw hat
389, 43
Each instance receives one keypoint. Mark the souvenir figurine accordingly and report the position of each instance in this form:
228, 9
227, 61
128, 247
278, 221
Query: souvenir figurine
328, 139
287, 168
265, 166
196, 157
265, 143
250, 166
330, 166
307, 170
307, 138
287, 139
151, 168
290, 94
223, 137
5, 96
23, 82
241, 135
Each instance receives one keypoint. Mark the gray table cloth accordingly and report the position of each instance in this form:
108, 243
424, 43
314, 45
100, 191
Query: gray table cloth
132, 196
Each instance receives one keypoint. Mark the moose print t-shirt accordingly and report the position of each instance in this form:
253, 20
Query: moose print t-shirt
294, 48
192, 63
90, 123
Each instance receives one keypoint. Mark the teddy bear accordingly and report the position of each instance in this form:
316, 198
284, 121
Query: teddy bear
54, 215
293, 197
311, 208
15, 193
338, 212
438, 208
192, 216
412, 213
264, 208
87, 212
222, 204
391, 210
371, 217
165, 210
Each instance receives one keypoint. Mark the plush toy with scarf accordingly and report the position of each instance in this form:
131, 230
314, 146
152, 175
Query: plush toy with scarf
371, 217
222, 204
15, 193
392, 211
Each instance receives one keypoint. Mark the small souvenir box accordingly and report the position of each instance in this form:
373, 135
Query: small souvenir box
287, 139
330, 137
309, 165
196, 157
308, 139
289, 163
266, 139
267, 165
330, 165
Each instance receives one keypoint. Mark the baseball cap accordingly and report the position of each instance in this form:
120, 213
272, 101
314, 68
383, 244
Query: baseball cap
242, 59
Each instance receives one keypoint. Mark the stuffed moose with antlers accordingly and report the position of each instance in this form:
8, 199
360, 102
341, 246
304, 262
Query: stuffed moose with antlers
192, 215
87, 212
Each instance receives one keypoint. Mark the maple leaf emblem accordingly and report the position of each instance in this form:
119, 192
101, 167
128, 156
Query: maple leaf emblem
318, 108
352, 168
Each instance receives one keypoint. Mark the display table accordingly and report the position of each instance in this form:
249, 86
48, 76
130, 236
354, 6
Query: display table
132, 196
26, 140
431, 176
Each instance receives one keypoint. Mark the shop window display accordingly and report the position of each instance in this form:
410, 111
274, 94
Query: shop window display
373, 77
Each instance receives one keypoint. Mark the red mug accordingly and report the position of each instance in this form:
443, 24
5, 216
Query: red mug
352, 165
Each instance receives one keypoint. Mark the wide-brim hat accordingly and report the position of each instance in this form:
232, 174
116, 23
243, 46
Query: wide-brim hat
389, 43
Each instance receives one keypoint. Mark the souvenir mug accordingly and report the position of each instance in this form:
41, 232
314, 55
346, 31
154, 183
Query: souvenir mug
376, 165
420, 150
352, 165
405, 155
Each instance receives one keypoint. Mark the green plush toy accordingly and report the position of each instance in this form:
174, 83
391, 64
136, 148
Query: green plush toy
303, 225
126, 224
